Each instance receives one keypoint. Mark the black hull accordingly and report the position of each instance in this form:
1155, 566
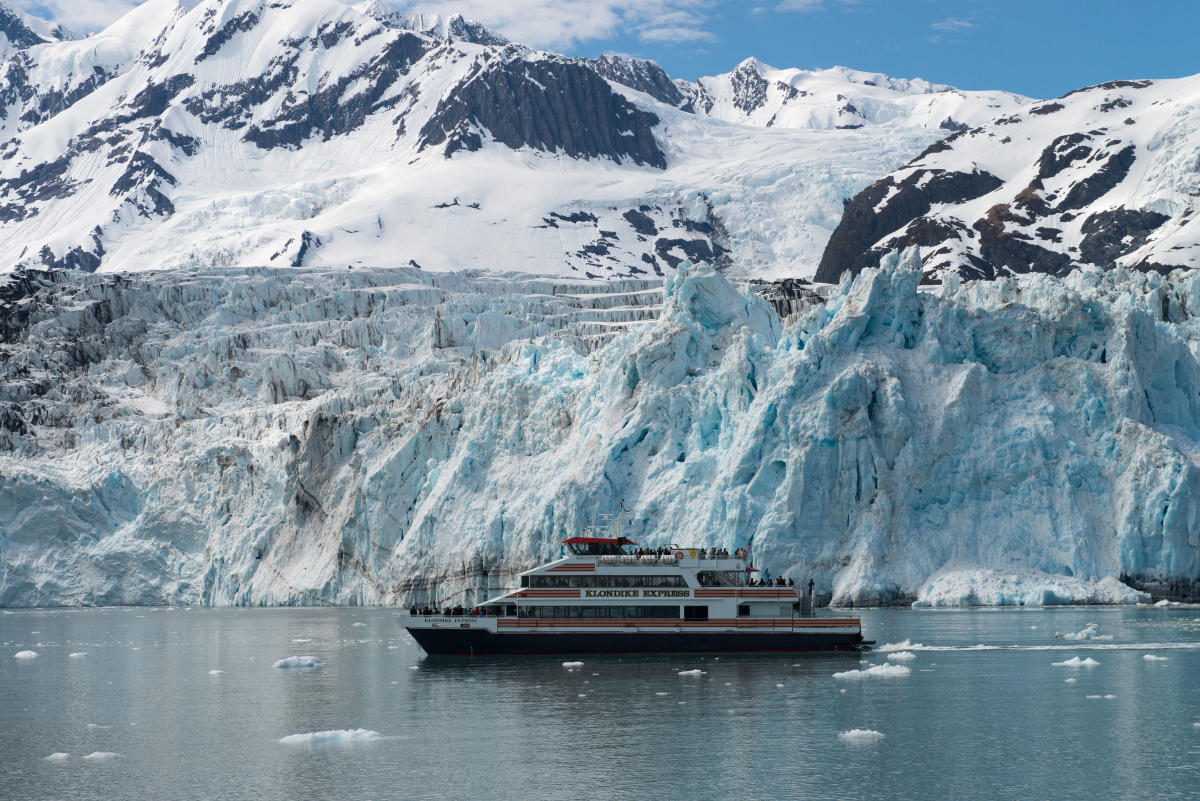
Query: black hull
477, 642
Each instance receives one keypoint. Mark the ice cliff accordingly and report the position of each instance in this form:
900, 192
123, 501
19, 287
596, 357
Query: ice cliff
375, 436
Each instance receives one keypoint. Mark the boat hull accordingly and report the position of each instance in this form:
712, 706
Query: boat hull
478, 642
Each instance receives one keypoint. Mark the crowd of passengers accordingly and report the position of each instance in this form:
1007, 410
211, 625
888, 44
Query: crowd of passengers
703, 553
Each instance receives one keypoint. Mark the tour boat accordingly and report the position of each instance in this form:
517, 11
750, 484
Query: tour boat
604, 597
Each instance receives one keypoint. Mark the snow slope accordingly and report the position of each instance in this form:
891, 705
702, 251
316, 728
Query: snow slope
1102, 176
320, 133
376, 436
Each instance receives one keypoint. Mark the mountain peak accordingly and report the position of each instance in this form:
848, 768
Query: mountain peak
442, 27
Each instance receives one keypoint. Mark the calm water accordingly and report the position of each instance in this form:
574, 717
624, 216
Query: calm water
976, 719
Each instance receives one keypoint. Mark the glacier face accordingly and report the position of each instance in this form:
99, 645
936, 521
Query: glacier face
375, 436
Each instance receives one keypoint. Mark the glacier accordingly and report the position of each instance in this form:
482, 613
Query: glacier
379, 436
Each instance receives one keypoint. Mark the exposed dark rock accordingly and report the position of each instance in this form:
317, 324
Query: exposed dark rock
241, 23
554, 105
1012, 250
1101, 181
1108, 235
16, 31
308, 241
641, 223
788, 296
1115, 103
749, 88
47, 181
951, 124
1110, 86
640, 74
1062, 152
864, 222
1047, 108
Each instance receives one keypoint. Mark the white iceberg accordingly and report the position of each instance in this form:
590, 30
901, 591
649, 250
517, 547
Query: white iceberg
885, 671
974, 585
57, 756
1155, 658
25, 655
572, 665
332, 736
77, 655
694, 672
860, 736
1076, 662
299, 662
903, 645
102, 756
901, 656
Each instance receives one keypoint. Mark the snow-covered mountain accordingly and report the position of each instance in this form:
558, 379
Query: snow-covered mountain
1103, 176
317, 132
373, 436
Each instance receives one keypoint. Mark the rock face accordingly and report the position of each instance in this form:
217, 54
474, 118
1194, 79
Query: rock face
195, 133
375, 436
1096, 177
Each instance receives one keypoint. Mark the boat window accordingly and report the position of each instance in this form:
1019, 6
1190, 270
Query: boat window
743, 610
524, 581
695, 613
603, 581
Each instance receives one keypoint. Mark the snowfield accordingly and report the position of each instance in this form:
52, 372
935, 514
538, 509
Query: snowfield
383, 436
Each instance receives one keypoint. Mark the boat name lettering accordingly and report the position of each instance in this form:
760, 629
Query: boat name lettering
637, 593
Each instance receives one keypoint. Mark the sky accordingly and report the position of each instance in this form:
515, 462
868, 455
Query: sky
1039, 48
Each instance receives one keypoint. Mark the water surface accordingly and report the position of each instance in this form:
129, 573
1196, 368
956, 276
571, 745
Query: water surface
984, 713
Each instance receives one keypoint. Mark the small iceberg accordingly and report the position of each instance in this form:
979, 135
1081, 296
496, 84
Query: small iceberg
300, 662
333, 736
901, 656
102, 756
216, 672
25, 655
887, 671
904, 645
696, 672
1076, 662
1154, 658
572, 665
57, 756
860, 736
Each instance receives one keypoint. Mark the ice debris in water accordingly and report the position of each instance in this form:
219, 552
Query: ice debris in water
101, 756
1109, 697
94, 726
904, 645
887, 671
1154, 658
25, 655
1077, 662
299, 662
301, 639
572, 665
902, 656
1088, 633
77, 655
662, 694
1093, 697
360, 623
696, 672
216, 672
332, 736
860, 736
1070, 681
57, 756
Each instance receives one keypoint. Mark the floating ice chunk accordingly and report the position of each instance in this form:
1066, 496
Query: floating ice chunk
860, 736
94, 726
1093, 697
101, 756
301, 639
57, 756
583, 695
77, 655
332, 737
393, 647
903, 645
1070, 681
572, 665
1154, 658
216, 672
1109, 697
696, 672
25, 655
886, 671
414, 667
299, 662
360, 623
778, 686
1196, 725
902, 656
660, 694
1075, 662
1088, 633
842, 691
